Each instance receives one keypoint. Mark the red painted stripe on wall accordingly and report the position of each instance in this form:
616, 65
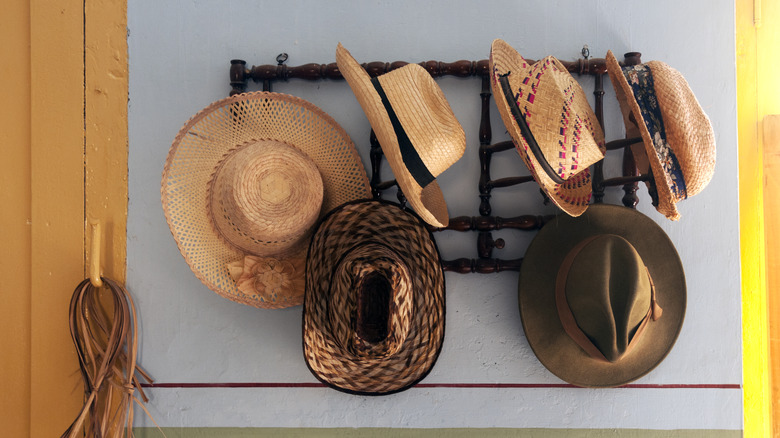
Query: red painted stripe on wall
443, 385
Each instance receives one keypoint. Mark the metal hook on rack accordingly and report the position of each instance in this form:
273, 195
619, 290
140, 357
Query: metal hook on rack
94, 254
586, 54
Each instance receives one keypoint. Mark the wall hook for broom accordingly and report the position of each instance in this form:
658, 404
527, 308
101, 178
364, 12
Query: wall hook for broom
94, 254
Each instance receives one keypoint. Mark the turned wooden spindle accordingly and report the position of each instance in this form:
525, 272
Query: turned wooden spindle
491, 223
238, 76
485, 135
623, 180
313, 72
375, 155
486, 243
480, 266
401, 198
598, 168
630, 199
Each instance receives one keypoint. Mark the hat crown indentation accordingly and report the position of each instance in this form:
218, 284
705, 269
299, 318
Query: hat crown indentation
609, 292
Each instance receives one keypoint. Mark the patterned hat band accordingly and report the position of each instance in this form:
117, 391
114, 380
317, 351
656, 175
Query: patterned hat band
640, 79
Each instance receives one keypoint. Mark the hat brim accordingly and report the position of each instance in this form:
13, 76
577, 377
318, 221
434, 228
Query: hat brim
573, 195
223, 126
542, 326
401, 231
629, 105
428, 202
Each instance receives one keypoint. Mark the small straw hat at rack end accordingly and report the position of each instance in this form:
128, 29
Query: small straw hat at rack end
243, 185
373, 313
554, 129
415, 126
602, 296
678, 142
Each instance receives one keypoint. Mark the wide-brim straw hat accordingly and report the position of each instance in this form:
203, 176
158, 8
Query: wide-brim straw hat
373, 314
642, 244
554, 129
244, 183
677, 137
415, 126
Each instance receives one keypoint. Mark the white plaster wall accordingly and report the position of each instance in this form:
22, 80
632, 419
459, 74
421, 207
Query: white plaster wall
179, 59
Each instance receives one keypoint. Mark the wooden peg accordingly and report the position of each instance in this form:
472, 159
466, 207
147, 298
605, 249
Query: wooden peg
94, 254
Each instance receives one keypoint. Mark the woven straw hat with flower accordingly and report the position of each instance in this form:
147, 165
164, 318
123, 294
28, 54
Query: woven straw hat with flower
245, 181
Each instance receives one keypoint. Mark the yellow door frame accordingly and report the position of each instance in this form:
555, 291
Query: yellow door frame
64, 160
758, 94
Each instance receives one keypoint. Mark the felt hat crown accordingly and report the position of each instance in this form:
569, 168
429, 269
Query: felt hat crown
602, 296
415, 126
678, 143
547, 114
373, 313
243, 185
605, 296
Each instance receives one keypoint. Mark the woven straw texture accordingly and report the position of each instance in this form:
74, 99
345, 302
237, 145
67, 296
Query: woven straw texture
688, 131
427, 119
265, 197
221, 129
357, 240
562, 122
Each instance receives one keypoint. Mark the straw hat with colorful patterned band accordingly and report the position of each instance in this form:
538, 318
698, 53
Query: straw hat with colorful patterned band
415, 126
602, 296
373, 313
678, 143
244, 183
551, 123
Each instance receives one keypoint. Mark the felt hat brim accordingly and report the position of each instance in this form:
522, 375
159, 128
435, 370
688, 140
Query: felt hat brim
536, 292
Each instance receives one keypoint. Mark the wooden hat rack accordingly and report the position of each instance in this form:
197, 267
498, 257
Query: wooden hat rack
484, 263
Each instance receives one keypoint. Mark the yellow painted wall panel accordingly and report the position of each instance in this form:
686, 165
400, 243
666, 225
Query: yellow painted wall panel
757, 48
771, 135
106, 84
57, 208
15, 217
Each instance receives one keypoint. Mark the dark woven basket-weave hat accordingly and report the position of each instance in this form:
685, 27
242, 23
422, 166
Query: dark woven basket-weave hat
373, 311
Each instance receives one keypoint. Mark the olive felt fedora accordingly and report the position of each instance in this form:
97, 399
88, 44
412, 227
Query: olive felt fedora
373, 313
243, 185
554, 130
678, 143
415, 126
602, 296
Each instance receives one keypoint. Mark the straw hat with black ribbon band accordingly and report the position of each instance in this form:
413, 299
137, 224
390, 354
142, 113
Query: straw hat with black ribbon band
415, 126
373, 313
676, 143
602, 296
244, 183
554, 129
